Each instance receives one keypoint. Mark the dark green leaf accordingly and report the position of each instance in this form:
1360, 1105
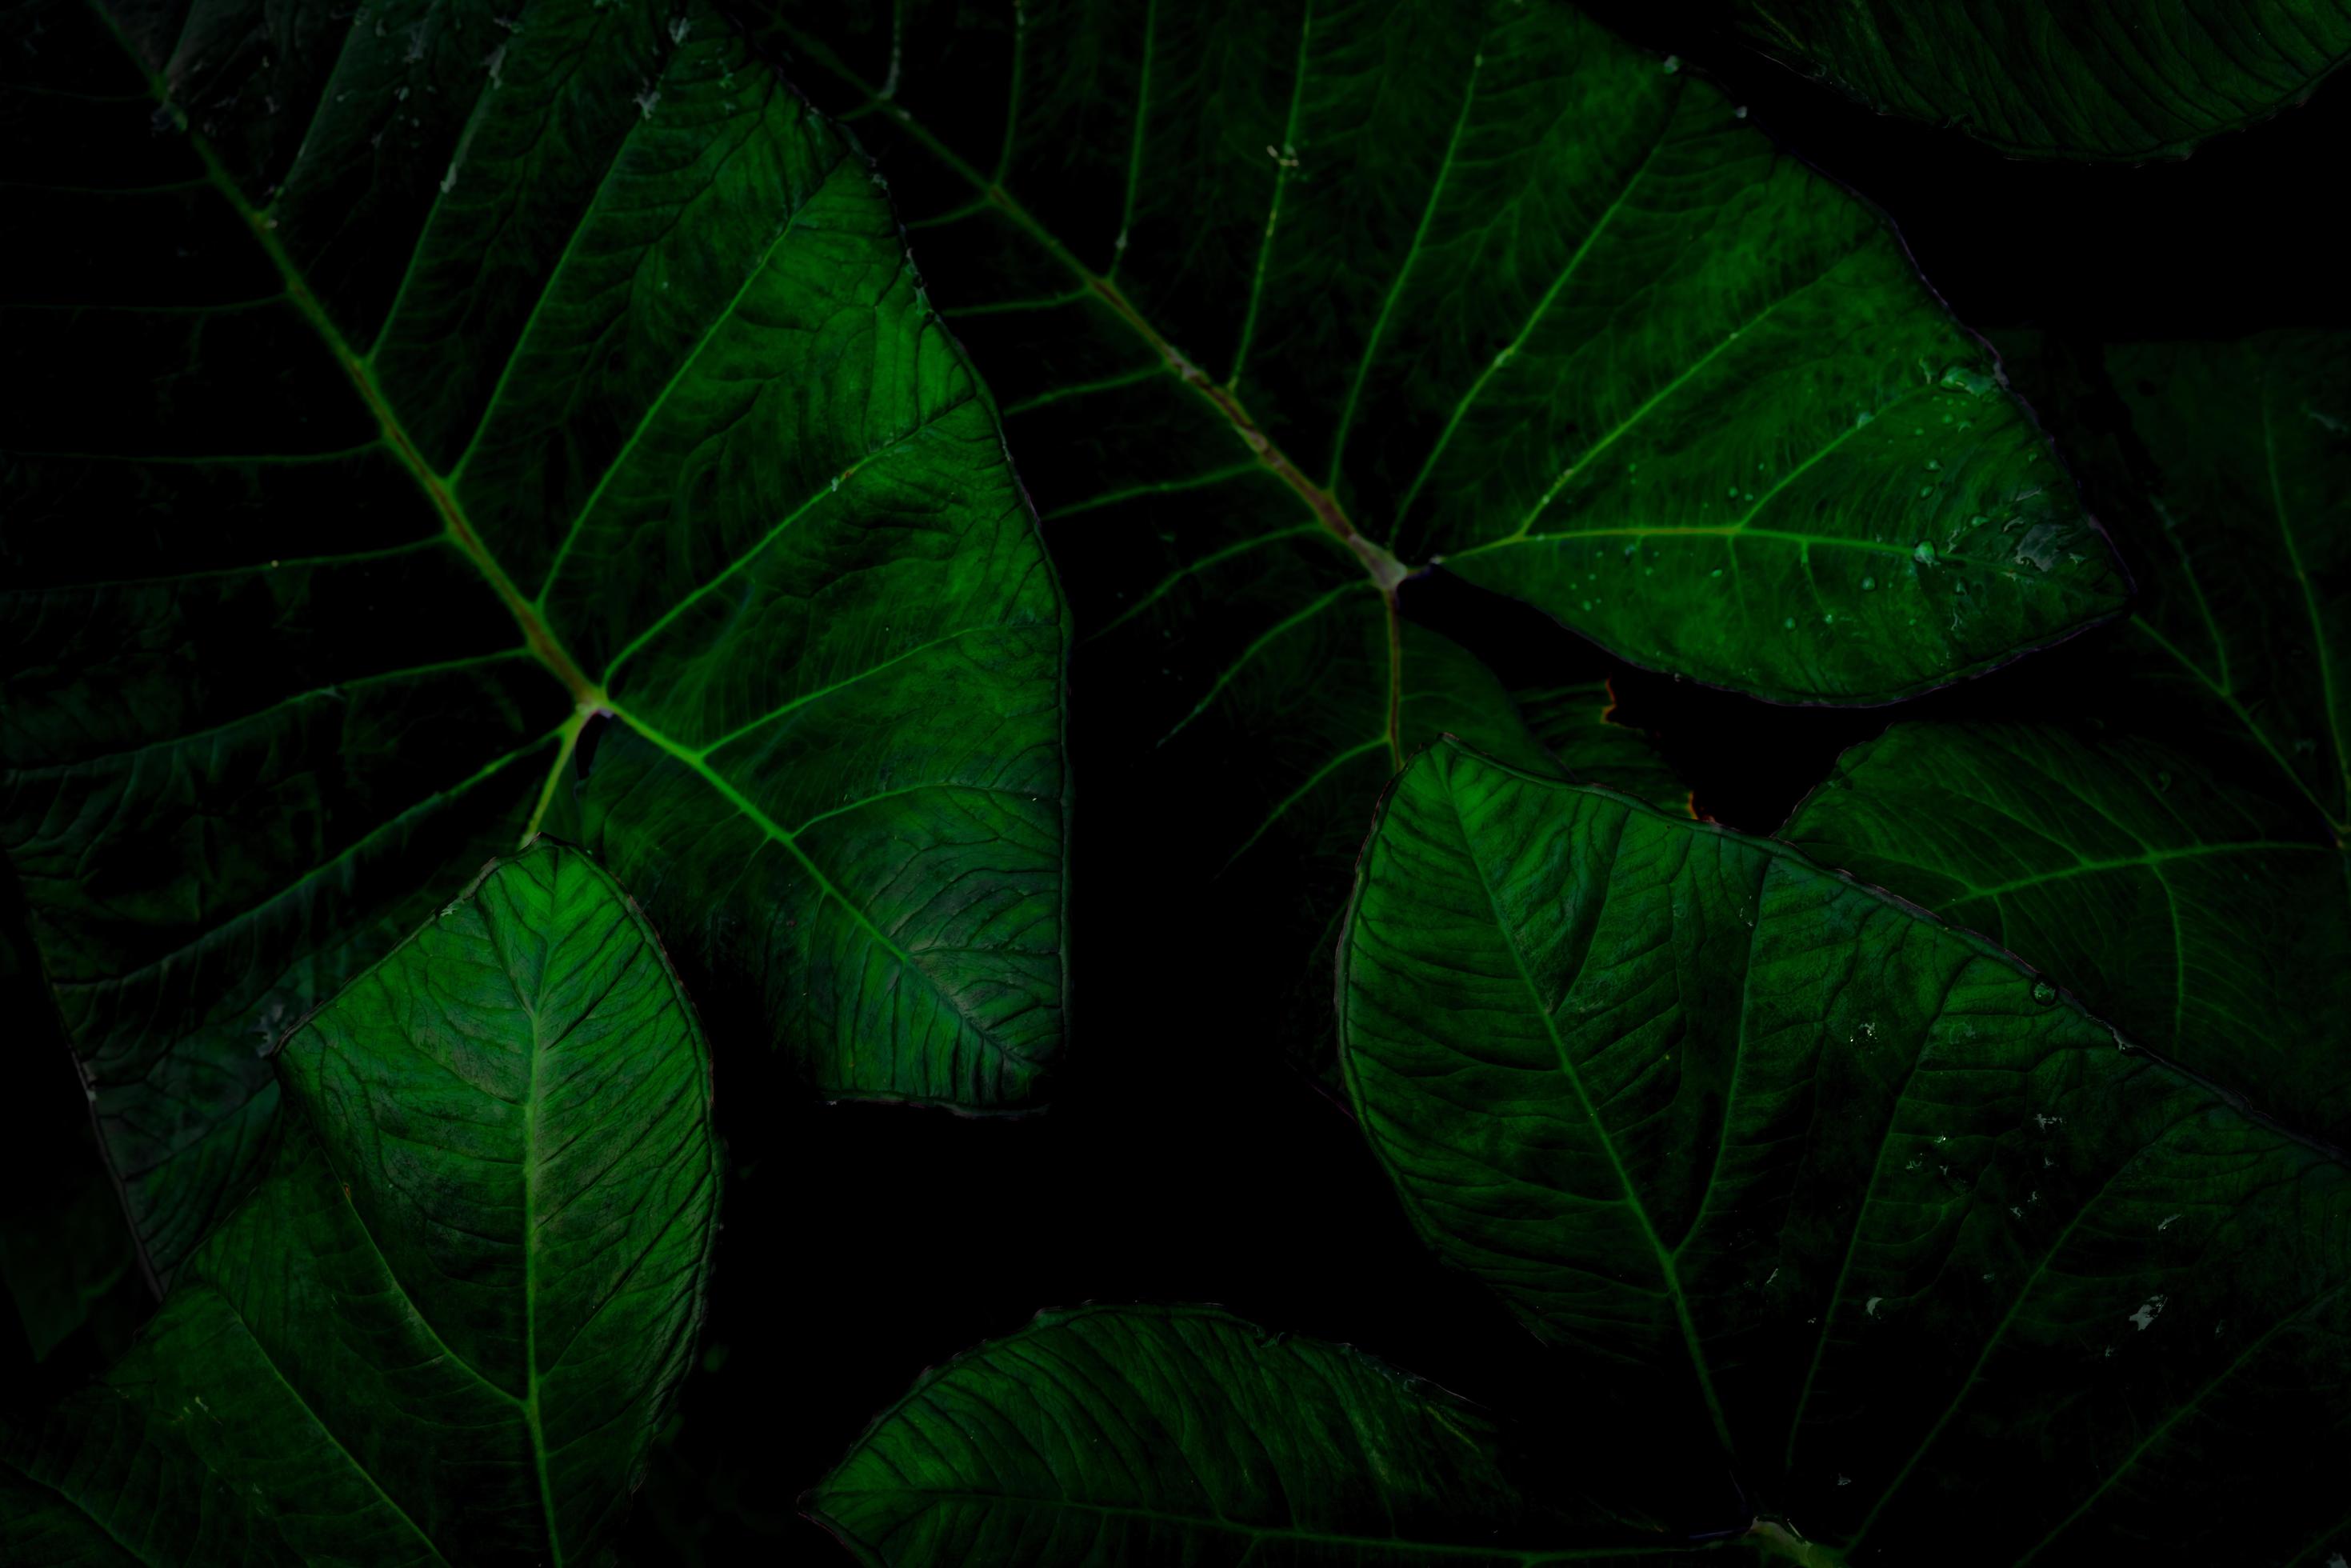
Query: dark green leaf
2121, 79
2207, 923
446, 1325
1577, 725
2227, 468
1284, 301
479, 370
1935, 1259
1181, 1435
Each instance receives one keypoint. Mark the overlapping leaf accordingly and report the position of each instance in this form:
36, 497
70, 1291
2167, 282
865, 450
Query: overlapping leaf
481, 369
1150, 1434
2209, 924
446, 1325
1285, 301
1577, 725
2125, 79
1934, 1255
2205, 912
2228, 467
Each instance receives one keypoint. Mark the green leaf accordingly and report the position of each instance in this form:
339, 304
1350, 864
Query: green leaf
478, 370
1932, 1257
1536, 306
1576, 724
2128, 80
2208, 924
447, 1324
2228, 467
1283, 303
1152, 1435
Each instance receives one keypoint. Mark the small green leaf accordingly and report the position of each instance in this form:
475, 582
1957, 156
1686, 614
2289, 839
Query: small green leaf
2125, 79
1925, 1247
479, 372
1576, 724
447, 1324
1182, 1434
2208, 924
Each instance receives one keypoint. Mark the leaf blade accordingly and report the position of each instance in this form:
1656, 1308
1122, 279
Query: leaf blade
1913, 1209
603, 352
448, 1323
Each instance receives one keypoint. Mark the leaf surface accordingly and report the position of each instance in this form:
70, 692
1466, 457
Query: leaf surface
1300, 299
446, 1325
1576, 724
1927, 1251
2228, 467
2130, 79
482, 370
2210, 925
1152, 1435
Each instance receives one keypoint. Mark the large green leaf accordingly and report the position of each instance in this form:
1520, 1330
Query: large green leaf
1286, 301
475, 371
1934, 1260
447, 1324
2121, 80
1182, 1434
2210, 925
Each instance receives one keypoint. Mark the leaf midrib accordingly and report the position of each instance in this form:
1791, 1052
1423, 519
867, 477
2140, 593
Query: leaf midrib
1668, 1269
1380, 565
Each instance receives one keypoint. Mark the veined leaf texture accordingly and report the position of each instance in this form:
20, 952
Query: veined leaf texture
483, 375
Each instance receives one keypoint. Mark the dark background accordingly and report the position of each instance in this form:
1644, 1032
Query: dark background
1185, 1157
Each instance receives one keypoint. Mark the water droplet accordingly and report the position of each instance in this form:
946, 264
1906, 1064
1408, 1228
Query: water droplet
1925, 554
1673, 64
1789, 624
1868, 583
2044, 992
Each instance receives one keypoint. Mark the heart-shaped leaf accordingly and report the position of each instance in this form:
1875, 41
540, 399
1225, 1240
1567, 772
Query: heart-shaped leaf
2207, 923
2125, 79
1932, 1254
446, 1325
477, 370
1168, 1435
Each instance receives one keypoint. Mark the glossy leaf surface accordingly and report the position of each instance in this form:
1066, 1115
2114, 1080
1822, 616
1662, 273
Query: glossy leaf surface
1284, 301
1928, 1252
2125, 79
482, 368
447, 1324
2206, 923
1166, 1435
